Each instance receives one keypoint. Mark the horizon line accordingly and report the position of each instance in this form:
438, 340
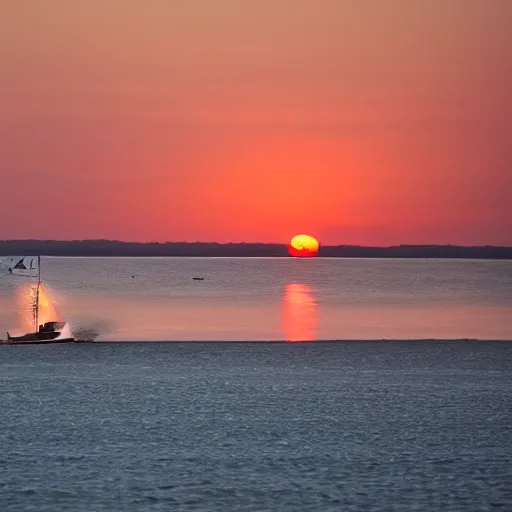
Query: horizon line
196, 242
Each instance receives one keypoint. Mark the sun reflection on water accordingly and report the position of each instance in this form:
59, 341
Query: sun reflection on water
300, 313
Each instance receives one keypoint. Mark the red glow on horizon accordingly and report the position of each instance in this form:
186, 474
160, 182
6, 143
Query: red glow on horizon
401, 138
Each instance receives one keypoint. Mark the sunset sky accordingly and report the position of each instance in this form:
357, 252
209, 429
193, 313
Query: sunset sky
360, 122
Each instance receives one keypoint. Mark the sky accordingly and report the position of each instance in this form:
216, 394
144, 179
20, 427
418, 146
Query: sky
375, 123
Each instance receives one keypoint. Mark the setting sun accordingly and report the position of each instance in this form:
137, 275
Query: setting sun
303, 246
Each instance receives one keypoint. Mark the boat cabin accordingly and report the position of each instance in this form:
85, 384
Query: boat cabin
51, 326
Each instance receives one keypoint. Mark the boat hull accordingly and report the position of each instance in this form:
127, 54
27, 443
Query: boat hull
14, 341
46, 334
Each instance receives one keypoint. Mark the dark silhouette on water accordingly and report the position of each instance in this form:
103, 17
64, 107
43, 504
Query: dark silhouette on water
212, 249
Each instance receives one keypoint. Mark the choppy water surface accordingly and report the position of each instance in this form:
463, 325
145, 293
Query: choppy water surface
242, 299
220, 426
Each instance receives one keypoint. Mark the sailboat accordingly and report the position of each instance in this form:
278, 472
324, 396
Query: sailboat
49, 331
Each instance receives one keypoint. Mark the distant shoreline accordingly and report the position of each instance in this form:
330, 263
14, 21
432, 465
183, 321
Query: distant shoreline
112, 248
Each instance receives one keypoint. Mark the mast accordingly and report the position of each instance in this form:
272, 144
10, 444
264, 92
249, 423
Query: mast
36, 319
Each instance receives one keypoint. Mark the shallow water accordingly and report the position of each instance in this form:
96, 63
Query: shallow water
242, 299
242, 426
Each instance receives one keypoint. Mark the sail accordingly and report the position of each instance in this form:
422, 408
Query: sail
8, 261
36, 305
27, 266
47, 305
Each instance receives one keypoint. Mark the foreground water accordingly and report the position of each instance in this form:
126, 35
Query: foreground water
242, 299
220, 426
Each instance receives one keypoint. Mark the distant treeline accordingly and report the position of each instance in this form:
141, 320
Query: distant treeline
116, 248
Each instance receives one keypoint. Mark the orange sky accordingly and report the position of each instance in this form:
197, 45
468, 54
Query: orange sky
378, 122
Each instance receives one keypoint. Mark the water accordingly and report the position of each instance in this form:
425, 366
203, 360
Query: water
355, 425
350, 426
243, 299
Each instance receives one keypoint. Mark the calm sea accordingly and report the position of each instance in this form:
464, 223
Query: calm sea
268, 299
195, 426
329, 427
